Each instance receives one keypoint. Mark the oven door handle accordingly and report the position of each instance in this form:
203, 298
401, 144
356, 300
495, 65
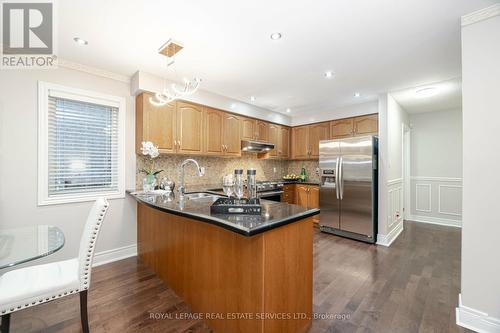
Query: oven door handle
268, 194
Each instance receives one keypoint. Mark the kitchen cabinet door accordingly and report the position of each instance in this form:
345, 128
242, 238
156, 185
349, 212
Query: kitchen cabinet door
248, 129
155, 123
189, 128
213, 132
313, 200
289, 193
284, 138
342, 128
317, 132
301, 195
366, 125
231, 135
274, 137
262, 131
300, 144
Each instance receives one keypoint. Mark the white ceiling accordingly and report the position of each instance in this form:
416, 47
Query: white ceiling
372, 46
448, 96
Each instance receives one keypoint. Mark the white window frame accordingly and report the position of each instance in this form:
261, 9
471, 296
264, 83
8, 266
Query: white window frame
44, 90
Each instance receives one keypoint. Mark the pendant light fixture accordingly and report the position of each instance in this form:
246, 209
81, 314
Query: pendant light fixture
173, 91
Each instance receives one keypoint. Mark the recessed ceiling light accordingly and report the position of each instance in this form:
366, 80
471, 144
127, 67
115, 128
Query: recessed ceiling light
276, 36
328, 74
252, 98
426, 92
232, 106
80, 41
288, 110
357, 94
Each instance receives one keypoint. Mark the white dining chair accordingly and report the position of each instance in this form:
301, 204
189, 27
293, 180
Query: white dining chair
26, 287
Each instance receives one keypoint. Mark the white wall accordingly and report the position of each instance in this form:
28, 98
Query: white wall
391, 119
480, 306
339, 113
18, 162
436, 167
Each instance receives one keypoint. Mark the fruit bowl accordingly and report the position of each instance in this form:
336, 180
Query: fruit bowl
291, 177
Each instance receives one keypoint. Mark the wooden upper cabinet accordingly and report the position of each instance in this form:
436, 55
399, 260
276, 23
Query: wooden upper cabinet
231, 138
189, 128
262, 130
342, 128
365, 125
274, 137
284, 138
317, 132
214, 120
248, 129
300, 142
155, 123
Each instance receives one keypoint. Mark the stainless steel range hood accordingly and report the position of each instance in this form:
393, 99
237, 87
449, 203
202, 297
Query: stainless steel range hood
252, 146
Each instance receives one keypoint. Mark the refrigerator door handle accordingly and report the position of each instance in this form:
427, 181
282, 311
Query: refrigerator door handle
341, 178
337, 177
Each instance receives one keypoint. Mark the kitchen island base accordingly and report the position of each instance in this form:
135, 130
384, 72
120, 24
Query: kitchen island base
237, 283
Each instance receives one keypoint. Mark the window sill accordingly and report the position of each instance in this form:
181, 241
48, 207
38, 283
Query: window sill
66, 199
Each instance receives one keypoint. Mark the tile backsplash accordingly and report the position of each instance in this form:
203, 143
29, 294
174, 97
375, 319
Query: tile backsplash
216, 167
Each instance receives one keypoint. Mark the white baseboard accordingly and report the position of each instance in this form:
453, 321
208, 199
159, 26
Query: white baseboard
386, 240
476, 320
120, 253
435, 220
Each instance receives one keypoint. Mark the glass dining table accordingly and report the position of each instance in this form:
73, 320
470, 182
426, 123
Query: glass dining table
23, 244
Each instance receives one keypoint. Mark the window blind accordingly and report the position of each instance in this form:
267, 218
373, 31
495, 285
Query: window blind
82, 147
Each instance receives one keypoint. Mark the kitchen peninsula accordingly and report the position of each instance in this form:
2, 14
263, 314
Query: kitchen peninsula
242, 273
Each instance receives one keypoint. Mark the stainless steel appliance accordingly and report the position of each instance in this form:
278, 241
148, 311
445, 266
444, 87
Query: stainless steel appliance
270, 190
348, 187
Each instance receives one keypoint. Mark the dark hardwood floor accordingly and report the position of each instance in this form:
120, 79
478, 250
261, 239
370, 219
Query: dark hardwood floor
410, 287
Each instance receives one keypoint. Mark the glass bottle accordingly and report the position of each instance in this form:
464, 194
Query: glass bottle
251, 184
238, 183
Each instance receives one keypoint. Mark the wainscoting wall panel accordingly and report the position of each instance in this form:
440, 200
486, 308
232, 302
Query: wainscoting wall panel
436, 200
394, 212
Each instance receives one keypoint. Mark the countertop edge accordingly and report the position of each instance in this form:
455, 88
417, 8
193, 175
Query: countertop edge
214, 221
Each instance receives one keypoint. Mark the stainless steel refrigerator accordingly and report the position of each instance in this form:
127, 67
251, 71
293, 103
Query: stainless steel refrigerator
348, 187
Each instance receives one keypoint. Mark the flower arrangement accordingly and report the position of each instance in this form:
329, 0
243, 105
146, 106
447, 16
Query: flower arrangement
149, 149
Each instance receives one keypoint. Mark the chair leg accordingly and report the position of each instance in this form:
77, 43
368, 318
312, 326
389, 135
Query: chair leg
5, 323
83, 311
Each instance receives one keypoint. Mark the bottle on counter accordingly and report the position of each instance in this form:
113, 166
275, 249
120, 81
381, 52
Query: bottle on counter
252, 183
303, 174
238, 183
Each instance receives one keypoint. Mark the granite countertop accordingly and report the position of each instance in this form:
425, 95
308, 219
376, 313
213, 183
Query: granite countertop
274, 214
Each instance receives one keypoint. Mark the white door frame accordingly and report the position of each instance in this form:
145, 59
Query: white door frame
406, 164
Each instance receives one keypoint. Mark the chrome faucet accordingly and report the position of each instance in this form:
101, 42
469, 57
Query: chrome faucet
201, 172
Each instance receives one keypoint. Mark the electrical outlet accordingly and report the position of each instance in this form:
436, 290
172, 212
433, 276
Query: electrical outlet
274, 169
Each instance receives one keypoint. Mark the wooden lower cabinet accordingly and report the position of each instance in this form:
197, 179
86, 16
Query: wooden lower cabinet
304, 195
289, 193
217, 271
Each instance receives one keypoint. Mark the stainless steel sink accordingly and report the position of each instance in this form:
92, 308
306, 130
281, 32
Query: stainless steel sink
202, 195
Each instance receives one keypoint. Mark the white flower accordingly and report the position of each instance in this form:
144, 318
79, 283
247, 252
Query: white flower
148, 148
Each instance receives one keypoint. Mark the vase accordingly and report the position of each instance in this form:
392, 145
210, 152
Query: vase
149, 183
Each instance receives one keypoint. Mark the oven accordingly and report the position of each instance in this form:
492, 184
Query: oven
271, 195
